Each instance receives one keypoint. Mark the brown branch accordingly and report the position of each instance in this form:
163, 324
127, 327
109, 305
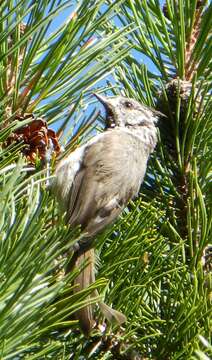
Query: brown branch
191, 65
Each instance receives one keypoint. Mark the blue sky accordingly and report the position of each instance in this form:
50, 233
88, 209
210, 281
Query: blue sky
62, 18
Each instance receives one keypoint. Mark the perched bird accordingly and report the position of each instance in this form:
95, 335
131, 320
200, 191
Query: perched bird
96, 181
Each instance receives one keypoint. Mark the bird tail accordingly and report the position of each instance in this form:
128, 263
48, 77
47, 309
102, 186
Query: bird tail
112, 315
82, 281
85, 278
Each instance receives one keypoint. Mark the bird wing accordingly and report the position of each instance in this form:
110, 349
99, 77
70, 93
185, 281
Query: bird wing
109, 176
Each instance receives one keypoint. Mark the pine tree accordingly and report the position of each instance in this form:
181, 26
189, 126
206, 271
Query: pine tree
155, 261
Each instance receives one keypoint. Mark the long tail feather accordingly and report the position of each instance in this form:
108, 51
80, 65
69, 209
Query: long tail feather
112, 315
82, 281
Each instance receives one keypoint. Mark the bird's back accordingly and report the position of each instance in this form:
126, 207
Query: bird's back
101, 177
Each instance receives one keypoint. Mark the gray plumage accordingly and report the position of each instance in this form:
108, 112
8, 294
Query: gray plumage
95, 182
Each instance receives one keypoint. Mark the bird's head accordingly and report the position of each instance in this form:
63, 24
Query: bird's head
125, 112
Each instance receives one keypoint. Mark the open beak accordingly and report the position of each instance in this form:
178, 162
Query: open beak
106, 102
103, 99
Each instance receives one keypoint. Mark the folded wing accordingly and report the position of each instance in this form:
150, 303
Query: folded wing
109, 176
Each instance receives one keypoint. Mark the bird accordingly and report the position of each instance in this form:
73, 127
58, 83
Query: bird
97, 180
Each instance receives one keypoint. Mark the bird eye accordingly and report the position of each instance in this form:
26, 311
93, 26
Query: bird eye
128, 104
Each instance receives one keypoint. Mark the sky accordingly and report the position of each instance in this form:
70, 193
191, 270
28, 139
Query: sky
61, 19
